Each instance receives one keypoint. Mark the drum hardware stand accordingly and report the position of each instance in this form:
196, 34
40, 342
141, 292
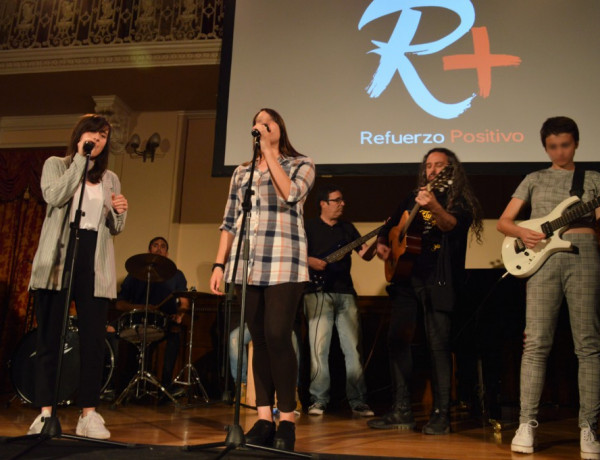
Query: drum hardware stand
52, 428
143, 376
235, 434
189, 369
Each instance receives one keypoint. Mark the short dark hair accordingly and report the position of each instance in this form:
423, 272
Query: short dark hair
156, 238
559, 125
324, 192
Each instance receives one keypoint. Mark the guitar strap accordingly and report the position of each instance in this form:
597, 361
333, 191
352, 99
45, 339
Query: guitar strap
577, 185
577, 189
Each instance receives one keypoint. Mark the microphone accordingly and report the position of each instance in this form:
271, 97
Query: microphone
88, 146
256, 132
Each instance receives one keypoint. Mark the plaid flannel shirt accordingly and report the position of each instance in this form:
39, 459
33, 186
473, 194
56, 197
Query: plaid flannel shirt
278, 250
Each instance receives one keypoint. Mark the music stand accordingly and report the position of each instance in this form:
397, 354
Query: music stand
235, 435
150, 268
52, 428
189, 369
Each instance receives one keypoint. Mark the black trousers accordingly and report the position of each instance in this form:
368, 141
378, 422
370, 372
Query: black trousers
91, 319
270, 315
411, 300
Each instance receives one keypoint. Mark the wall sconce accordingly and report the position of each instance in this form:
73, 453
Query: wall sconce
148, 152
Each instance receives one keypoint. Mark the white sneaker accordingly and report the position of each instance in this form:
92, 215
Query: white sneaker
38, 423
524, 440
92, 426
316, 409
590, 447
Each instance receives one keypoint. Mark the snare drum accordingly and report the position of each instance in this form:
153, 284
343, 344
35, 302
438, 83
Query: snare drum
22, 367
131, 326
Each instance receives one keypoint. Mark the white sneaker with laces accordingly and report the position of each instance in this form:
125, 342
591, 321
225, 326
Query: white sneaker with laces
590, 447
524, 440
92, 426
316, 409
38, 423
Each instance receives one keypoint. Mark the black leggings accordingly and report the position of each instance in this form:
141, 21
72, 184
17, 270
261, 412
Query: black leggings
91, 321
270, 316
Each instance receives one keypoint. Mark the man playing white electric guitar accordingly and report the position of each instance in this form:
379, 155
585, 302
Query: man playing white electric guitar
574, 274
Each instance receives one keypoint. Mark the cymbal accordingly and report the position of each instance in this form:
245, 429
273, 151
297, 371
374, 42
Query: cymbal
190, 294
152, 267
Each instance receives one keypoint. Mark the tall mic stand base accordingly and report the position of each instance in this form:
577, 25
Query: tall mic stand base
235, 439
52, 430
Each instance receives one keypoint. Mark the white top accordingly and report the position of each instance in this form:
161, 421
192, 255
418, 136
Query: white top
91, 206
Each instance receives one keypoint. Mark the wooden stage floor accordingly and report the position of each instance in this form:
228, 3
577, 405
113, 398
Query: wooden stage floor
333, 433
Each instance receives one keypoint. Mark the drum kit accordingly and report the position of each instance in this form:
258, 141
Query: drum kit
22, 365
142, 327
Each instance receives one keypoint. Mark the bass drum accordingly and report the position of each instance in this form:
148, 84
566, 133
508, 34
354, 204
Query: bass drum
22, 367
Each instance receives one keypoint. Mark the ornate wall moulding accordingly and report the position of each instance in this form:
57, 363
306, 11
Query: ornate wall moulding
109, 57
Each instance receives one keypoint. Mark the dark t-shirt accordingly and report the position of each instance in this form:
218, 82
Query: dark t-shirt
134, 290
323, 239
431, 236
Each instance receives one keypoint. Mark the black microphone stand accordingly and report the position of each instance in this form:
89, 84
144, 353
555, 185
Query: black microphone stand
52, 428
235, 434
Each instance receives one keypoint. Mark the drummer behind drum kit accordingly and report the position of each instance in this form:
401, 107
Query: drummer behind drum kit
141, 327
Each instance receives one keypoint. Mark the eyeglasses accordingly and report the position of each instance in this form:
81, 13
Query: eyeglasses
336, 200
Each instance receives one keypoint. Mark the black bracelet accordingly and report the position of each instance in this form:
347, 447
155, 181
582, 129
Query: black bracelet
221, 266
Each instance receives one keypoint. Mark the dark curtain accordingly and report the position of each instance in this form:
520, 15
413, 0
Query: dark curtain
22, 211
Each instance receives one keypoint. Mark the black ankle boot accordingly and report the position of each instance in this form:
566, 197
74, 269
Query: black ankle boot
285, 438
398, 418
261, 434
439, 423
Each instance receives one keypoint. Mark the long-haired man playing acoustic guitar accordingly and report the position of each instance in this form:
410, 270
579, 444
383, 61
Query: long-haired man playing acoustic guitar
571, 274
425, 262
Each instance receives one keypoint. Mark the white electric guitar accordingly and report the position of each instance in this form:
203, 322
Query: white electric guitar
522, 262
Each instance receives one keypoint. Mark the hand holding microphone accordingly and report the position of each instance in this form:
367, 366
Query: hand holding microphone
256, 133
88, 146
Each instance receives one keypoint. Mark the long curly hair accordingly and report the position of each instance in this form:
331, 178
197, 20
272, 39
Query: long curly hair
460, 193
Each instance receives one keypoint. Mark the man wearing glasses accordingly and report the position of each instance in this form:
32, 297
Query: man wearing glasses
331, 299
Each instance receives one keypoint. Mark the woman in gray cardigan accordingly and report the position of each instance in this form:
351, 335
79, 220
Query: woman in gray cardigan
94, 277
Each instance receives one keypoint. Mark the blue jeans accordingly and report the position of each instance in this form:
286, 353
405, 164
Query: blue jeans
233, 352
322, 311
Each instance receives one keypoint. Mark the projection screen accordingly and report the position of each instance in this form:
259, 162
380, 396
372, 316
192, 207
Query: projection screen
369, 86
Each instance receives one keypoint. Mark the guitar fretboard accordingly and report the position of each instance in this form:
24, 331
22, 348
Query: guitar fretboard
341, 252
572, 214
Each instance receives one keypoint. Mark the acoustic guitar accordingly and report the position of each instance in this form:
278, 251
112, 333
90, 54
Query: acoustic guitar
405, 246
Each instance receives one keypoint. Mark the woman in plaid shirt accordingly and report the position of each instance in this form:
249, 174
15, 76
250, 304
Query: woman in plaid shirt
277, 269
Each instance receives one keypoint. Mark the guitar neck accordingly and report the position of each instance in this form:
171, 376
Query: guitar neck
341, 252
572, 214
411, 217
